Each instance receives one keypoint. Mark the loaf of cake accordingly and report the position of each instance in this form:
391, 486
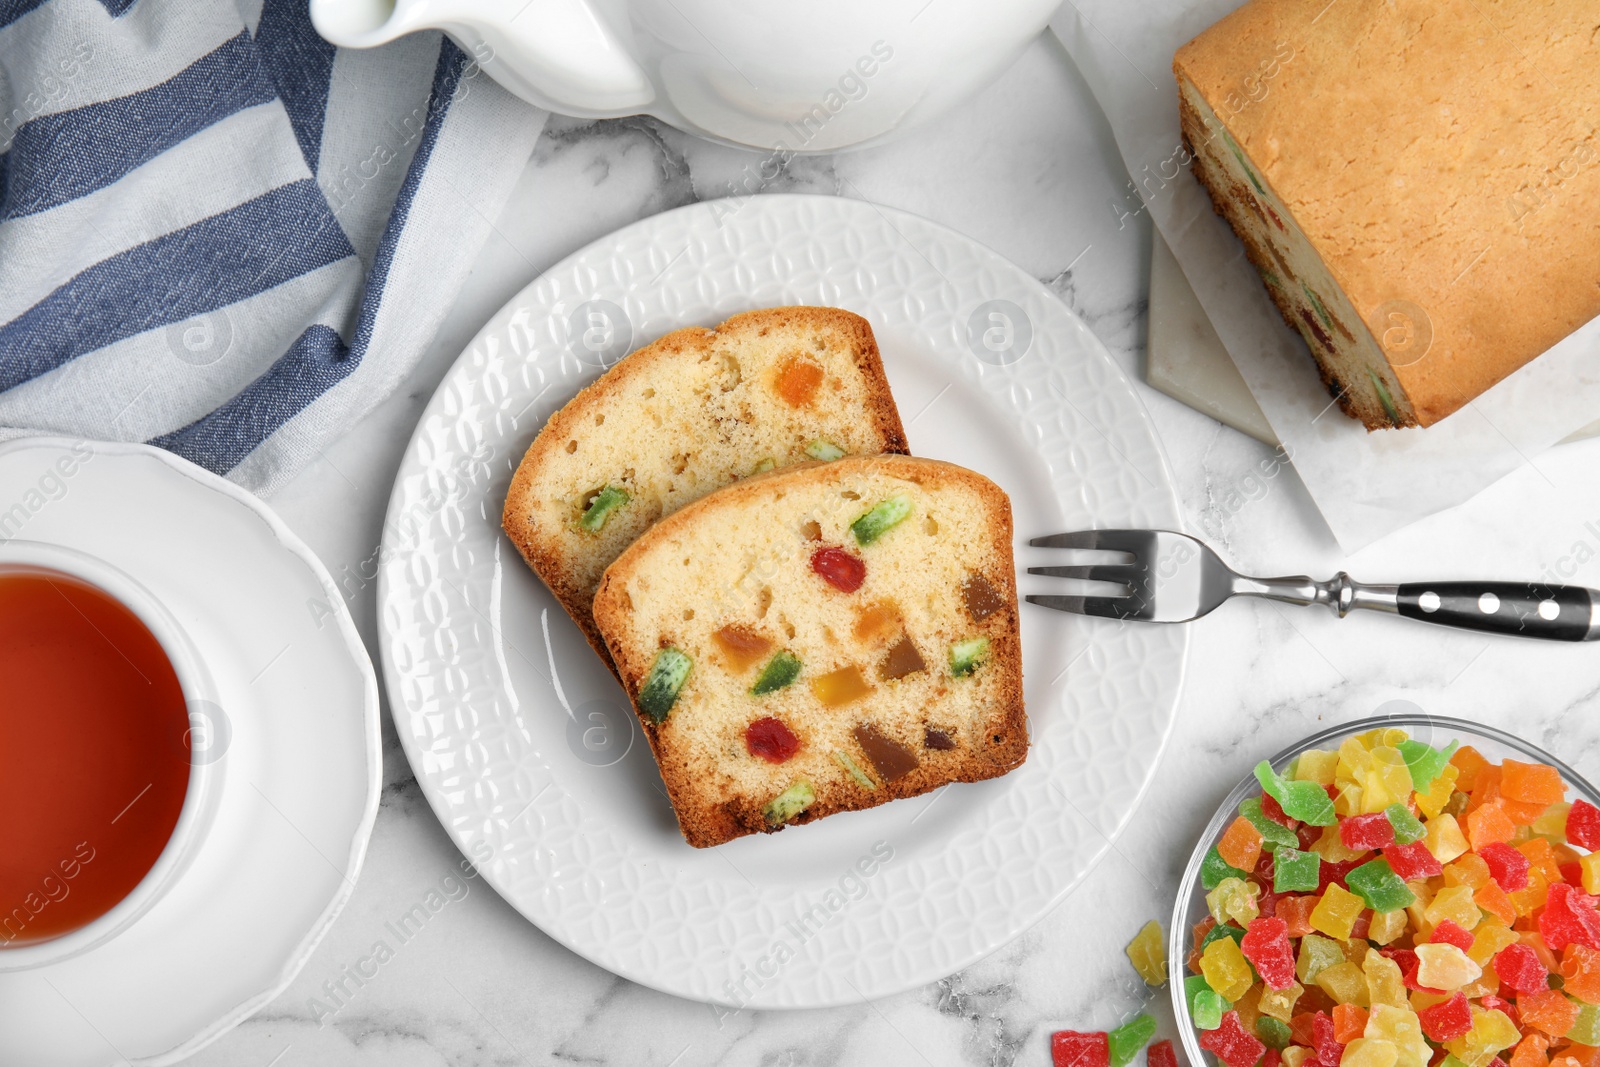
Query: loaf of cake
690, 413
820, 639
1415, 180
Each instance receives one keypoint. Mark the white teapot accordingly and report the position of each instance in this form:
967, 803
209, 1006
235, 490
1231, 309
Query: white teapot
791, 76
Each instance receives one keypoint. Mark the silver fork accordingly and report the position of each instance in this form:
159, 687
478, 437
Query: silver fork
1173, 577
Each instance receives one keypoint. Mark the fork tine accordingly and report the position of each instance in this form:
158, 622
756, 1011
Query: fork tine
1106, 607
1106, 540
1124, 573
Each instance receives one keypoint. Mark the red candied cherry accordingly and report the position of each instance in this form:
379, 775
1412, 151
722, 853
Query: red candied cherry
770, 740
839, 569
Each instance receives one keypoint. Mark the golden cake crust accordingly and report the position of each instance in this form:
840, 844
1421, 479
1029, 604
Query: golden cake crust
1437, 155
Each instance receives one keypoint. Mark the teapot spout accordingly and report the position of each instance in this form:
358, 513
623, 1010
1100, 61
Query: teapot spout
558, 54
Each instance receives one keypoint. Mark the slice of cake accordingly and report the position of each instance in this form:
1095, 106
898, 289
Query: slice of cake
820, 639
1415, 180
692, 412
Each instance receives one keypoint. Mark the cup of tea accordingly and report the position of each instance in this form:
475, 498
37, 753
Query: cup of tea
108, 729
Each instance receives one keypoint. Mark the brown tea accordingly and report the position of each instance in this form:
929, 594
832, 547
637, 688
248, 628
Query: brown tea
94, 761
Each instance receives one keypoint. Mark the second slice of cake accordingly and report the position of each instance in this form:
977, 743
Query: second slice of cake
820, 639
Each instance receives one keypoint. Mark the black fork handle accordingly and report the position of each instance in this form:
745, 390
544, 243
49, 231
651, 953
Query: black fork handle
1521, 609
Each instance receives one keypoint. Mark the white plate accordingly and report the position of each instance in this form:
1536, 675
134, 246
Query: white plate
298, 740
525, 745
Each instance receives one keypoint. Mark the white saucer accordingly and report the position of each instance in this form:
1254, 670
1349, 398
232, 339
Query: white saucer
526, 746
298, 737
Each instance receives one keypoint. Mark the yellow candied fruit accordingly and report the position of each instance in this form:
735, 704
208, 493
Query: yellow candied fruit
1296, 1056
1531, 899
1331, 849
1354, 759
1369, 1052
1416, 910
1249, 1007
1494, 1029
1226, 970
1279, 1003
1387, 926
1433, 801
840, 687
1336, 913
1234, 900
1442, 966
1456, 904
1590, 865
1445, 839
1469, 870
1552, 822
1148, 954
1487, 941
1388, 780
1400, 1026
1345, 983
1384, 983
1349, 801
1315, 765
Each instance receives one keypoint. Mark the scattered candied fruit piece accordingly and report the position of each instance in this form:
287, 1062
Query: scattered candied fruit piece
1147, 952
1445, 967
1225, 969
1448, 1019
902, 660
1547, 1010
1125, 1041
1489, 824
1335, 914
1266, 945
1232, 1044
981, 597
771, 740
1349, 1020
1069, 1048
1583, 825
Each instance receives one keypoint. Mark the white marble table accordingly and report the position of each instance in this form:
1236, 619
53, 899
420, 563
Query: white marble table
1027, 168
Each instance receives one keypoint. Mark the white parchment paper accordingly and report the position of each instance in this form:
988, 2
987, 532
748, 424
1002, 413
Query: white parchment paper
1366, 484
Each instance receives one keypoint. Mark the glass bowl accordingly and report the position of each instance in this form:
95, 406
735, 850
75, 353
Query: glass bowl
1436, 730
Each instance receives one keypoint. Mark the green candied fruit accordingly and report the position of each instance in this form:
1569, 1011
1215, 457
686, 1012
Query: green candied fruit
1586, 1031
1408, 829
600, 508
764, 466
1317, 304
826, 450
781, 670
1317, 954
1220, 931
789, 803
661, 686
1126, 1040
1274, 1033
883, 517
843, 759
1294, 871
1209, 1008
1306, 801
1383, 397
1274, 835
1192, 984
1425, 762
1248, 173
1379, 887
1213, 869
967, 656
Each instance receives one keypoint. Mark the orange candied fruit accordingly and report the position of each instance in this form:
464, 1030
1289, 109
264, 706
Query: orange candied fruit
1295, 911
1241, 844
1547, 1010
798, 381
1469, 761
840, 687
1580, 970
742, 647
1349, 1022
1531, 783
1530, 1052
1489, 825
1492, 899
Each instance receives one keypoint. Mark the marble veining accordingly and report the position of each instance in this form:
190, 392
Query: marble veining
1028, 168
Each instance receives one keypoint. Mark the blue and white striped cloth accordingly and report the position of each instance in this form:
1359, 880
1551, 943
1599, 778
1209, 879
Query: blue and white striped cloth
224, 236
